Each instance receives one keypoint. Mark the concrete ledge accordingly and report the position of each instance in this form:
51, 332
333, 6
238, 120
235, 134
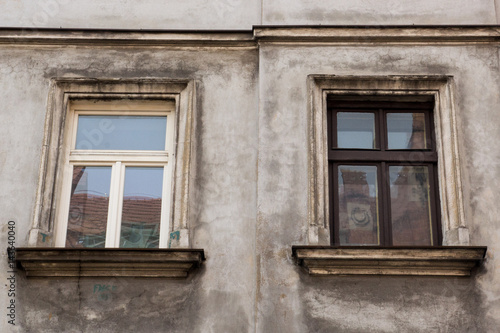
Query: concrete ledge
431, 261
62, 262
336, 35
356, 35
140, 38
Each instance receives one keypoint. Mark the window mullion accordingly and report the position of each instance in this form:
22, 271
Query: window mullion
381, 130
371, 156
385, 205
334, 201
115, 203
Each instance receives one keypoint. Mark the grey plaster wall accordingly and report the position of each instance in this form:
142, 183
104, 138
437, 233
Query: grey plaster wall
218, 298
250, 199
289, 300
131, 14
374, 12
240, 14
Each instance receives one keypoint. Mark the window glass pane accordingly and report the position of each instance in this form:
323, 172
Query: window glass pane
410, 205
121, 133
141, 213
356, 130
406, 131
88, 208
358, 205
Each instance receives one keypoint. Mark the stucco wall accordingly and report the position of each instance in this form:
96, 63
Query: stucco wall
299, 303
249, 210
240, 14
220, 297
130, 14
374, 12
250, 199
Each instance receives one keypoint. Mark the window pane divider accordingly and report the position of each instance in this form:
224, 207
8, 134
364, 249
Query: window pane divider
410, 156
120, 152
124, 157
386, 204
120, 112
115, 202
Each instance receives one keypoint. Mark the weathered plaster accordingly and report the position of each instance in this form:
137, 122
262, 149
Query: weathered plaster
130, 14
239, 14
250, 196
222, 208
283, 221
373, 12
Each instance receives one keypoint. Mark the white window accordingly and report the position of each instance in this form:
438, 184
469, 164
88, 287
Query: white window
108, 176
117, 174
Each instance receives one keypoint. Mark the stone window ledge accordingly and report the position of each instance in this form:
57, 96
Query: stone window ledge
151, 263
357, 260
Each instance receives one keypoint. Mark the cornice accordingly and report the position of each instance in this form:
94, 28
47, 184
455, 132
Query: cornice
295, 35
126, 38
362, 35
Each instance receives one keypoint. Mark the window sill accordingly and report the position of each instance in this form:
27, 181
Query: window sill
151, 263
430, 261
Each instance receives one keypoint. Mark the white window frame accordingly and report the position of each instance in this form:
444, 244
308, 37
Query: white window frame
118, 160
55, 150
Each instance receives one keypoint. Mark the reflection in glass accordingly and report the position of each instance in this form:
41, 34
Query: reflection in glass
410, 205
358, 205
121, 133
356, 130
406, 131
88, 208
141, 212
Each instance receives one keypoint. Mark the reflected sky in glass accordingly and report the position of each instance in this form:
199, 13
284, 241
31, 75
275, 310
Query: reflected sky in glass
406, 131
356, 130
121, 132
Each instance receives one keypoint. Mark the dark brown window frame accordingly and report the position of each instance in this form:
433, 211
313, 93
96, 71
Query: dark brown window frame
382, 157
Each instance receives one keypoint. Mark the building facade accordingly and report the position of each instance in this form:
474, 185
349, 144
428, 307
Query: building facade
237, 166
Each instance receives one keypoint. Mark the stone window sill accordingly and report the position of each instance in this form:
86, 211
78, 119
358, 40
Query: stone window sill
151, 263
357, 260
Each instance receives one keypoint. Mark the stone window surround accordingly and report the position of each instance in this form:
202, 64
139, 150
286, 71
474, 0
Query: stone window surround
440, 89
62, 91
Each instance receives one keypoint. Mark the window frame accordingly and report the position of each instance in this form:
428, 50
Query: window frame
64, 91
118, 160
382, 157
407, 88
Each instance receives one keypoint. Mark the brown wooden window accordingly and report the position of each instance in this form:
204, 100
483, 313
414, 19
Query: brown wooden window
382, 165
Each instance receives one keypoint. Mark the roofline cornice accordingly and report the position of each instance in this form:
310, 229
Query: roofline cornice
334, 35
134, 38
